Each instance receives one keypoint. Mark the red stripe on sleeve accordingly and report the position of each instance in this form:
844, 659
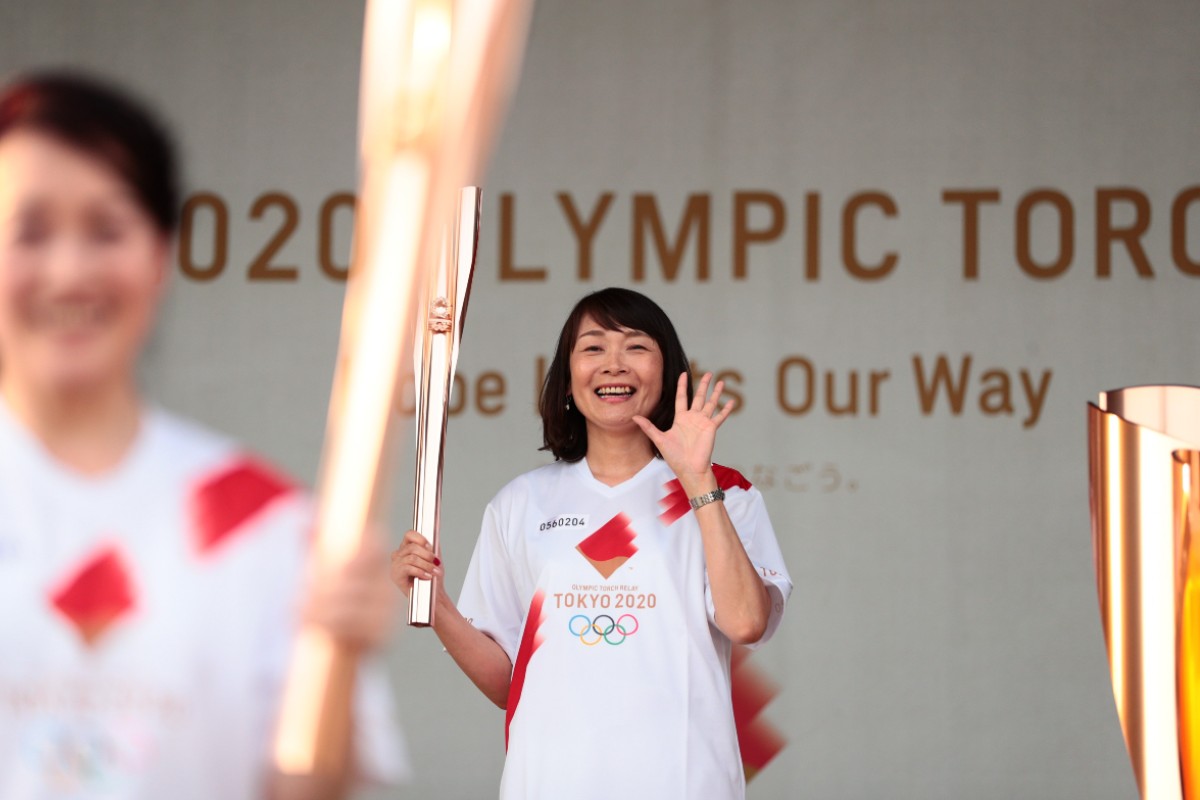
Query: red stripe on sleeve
230, 497
728, 477
531, 640
676, 503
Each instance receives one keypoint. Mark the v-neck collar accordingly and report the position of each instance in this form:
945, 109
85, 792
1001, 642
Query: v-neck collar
42, 460
584, 473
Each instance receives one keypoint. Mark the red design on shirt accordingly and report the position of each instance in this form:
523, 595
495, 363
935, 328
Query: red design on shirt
96, 595
531, 640
675, 504
224, 501
758, 740
610, 547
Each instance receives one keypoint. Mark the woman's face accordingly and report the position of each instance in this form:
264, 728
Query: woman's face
614, 375
82, 267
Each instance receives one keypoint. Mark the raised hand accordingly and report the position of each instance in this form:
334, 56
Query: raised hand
688, 446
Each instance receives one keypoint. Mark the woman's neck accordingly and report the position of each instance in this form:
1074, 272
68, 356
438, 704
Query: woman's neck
615, 458
89, 430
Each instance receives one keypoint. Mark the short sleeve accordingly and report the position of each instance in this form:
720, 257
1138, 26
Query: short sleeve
748, 513
490, 599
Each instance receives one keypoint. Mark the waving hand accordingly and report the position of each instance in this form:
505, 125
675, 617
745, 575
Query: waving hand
688, 446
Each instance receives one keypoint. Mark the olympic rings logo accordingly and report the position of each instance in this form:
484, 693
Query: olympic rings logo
603, 628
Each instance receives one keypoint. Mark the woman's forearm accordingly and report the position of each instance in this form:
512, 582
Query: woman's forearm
739, 596
477, 654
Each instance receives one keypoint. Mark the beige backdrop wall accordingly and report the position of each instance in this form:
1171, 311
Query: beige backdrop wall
820, 193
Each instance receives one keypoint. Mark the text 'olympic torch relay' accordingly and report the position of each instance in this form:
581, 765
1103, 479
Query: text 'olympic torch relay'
1144, 454
436, 75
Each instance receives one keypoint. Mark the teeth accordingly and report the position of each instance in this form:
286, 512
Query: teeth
614, 391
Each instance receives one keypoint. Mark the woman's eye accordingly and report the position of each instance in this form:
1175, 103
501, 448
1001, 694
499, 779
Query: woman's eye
29, 235
29, 229
106, 232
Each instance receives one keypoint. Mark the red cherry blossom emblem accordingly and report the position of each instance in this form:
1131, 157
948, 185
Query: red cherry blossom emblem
96, 595
610, 547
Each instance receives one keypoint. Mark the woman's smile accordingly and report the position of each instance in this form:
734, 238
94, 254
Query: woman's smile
618, 393
615, 375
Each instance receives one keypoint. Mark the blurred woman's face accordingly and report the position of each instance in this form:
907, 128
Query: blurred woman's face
82, 267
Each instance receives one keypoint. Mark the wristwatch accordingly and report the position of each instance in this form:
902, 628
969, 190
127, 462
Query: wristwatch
710, 497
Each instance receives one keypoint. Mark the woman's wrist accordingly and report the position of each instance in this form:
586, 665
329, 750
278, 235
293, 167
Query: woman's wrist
698, 484
442, 599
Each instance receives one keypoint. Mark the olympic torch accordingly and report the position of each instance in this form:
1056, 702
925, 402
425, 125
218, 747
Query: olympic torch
435, 76
1144, 448
435, 356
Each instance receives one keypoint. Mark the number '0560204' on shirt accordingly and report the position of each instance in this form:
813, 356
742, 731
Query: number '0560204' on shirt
565, 521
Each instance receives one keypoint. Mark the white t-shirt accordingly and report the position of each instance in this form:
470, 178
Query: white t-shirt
599, 595
147, 618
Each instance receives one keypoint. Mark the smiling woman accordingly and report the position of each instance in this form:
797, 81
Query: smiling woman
86, 228
85, 267
613, 343
683, 550
151, 568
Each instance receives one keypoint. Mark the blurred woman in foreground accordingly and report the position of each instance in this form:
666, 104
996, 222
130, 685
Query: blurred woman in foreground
150, 570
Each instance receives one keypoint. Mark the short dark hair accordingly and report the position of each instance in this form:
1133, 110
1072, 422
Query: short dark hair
564, 431
105, 123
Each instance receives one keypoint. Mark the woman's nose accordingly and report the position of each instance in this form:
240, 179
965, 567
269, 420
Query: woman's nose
614, 362
69, 260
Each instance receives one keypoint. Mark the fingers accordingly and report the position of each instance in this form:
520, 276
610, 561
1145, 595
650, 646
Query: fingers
725, 412
648, 428
681, 401
701, 391
411, 563
414, 558
414, 538
707, 403
711, 405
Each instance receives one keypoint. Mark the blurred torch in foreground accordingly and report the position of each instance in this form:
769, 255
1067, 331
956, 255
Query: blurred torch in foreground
436, 75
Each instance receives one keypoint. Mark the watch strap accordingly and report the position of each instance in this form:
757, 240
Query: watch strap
708, 497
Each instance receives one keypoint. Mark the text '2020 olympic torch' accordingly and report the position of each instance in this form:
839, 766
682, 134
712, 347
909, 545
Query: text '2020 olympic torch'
436, 75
